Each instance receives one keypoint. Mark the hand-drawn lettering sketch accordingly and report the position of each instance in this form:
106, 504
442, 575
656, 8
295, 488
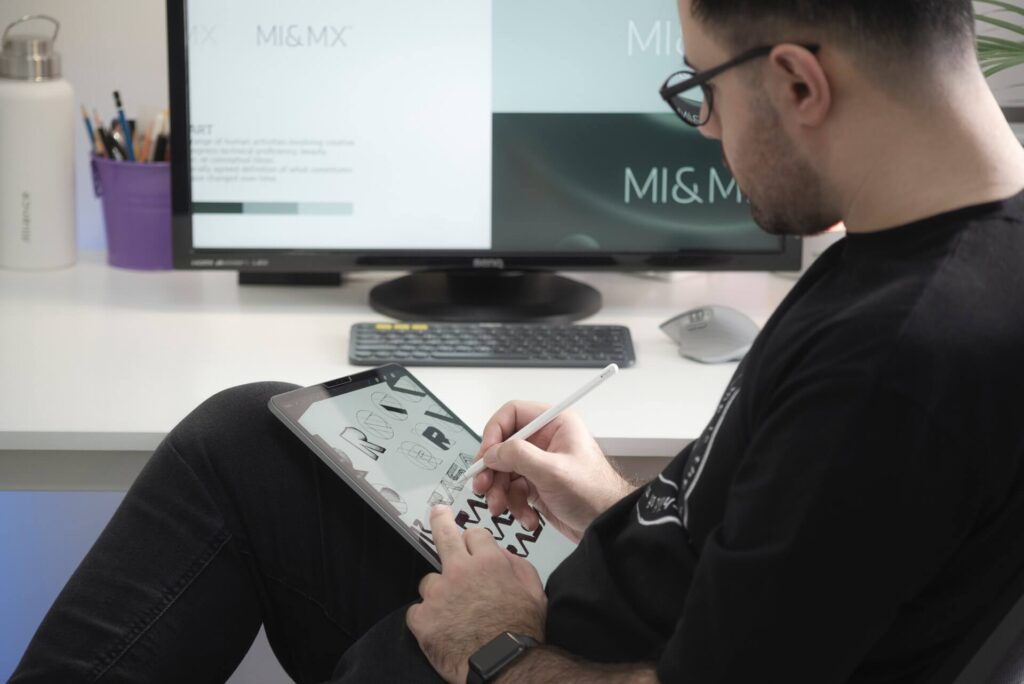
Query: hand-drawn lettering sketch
424, 535
419, 456
342, 458
390, 405
438, 413
375, 424
522, 538
434, 435
472, 517
392, 497
398, 416
500, 526
404, 385
455, 472
445, 492
360, 441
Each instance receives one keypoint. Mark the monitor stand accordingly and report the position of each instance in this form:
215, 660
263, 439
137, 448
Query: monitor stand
485, 295
306, 279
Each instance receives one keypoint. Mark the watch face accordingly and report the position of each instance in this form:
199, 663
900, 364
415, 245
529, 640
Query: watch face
493, 656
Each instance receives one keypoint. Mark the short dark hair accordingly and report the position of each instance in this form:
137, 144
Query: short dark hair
882, 27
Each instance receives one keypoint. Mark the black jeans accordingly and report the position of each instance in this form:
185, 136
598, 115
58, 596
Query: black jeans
234, 523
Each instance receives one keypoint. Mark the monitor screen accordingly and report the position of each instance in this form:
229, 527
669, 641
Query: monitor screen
331, 135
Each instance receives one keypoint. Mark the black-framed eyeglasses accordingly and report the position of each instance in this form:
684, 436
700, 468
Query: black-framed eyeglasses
687, 91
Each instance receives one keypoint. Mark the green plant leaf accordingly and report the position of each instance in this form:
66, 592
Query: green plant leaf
995, 67
989, 68
992, 42
1003, 5
1000, 56
997, 54
1002, 24
994, 55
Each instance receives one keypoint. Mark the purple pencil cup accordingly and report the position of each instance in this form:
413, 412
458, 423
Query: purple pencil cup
136, 211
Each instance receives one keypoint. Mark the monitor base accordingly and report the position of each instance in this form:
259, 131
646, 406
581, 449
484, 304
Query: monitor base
485, 296
311, 279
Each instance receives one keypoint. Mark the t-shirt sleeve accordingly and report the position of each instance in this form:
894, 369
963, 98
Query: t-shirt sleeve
847, 500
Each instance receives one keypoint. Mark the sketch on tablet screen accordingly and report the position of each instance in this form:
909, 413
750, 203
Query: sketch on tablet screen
371, 426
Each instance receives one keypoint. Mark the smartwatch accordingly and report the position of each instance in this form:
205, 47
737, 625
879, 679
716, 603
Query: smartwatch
497, 654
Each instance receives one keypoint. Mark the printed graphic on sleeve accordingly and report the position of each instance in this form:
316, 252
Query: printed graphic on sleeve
702, 450
659, 504
663, 501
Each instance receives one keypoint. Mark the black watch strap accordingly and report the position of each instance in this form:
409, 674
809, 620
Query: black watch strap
493, 657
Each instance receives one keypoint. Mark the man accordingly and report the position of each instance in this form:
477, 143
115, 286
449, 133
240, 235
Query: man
852, 512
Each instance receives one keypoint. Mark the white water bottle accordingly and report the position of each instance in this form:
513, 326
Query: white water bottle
37, 174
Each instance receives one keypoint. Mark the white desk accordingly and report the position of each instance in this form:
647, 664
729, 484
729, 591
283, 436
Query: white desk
100, 361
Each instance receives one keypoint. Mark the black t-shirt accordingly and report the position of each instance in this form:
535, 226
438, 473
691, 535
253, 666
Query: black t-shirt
856, 502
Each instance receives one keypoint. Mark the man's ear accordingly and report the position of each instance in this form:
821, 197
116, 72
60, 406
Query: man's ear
798, 85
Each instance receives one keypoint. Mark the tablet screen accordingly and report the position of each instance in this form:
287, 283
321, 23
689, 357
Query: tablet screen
398, 442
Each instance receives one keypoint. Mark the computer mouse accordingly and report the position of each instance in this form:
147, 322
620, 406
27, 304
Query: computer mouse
712, 334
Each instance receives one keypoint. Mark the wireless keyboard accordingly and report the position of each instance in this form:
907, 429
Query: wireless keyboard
539, 345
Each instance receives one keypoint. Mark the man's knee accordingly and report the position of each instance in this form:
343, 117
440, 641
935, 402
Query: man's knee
243, 403
232, 423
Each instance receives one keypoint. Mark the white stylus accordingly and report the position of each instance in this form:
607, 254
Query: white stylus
543, 419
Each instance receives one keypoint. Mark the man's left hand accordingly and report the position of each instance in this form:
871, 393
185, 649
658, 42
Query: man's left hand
482, 591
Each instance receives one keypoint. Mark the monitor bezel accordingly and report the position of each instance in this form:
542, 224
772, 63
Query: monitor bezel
187, 256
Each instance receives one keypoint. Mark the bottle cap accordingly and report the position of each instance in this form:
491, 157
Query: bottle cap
30, 57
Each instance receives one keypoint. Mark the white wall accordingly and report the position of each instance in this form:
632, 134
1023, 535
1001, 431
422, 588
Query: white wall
106, 45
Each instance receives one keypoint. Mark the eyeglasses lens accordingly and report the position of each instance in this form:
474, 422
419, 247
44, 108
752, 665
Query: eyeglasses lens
690, 104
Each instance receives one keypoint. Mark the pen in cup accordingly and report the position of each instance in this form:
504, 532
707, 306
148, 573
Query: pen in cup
89, 130
125, 128
543, 419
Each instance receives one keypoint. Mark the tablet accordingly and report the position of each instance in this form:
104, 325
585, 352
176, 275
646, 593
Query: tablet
403, 451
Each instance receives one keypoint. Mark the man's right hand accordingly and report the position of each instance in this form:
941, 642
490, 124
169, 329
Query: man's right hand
560, 470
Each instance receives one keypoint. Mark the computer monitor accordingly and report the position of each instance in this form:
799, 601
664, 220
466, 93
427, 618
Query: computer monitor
483, 145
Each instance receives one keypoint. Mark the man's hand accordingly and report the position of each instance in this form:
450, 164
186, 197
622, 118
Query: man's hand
482, 590
560, 470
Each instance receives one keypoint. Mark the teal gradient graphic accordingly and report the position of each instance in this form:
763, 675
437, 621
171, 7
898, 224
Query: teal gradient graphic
618, 182
584, 56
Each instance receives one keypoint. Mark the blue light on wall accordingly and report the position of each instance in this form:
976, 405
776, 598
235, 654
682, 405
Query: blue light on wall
43, 537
